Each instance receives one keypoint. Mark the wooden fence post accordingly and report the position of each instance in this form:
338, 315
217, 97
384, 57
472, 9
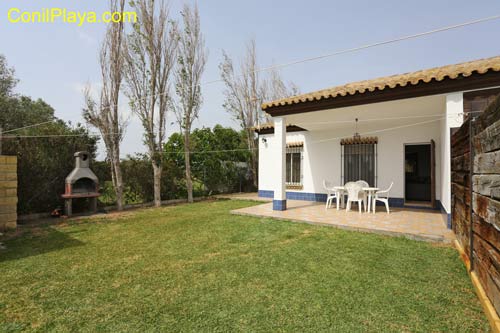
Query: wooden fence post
471, 175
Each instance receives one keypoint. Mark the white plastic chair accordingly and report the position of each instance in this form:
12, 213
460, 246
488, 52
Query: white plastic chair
365, 196
354, 193
382, 196
331, 194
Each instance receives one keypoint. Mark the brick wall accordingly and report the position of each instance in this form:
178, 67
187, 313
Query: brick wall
8, 192
485, 196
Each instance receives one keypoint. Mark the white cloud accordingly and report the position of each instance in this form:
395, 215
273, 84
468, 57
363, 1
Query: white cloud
85, 37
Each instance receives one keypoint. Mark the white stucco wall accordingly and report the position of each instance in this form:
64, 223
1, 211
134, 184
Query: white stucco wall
322, 157
453, 118
269, 173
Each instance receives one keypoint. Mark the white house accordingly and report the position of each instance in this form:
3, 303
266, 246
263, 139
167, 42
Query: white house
391, 129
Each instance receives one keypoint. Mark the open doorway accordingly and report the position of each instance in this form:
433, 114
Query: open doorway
419, 174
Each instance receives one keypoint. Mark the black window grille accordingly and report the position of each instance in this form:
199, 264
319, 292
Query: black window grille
359, 162
294, 165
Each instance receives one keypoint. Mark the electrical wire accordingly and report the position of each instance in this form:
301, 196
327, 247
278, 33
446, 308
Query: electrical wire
367, 46
48, 136
208, 151
382, 130
302, 123
312, 142
319, 141
372, 119
29, 126
351, 50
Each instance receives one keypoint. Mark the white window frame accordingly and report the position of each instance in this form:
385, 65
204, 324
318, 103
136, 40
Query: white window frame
295, 150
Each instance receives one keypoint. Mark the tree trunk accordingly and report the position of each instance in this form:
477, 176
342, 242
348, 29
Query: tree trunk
116, 173
253, 156
254, 169
112, 169
187, 159
118, 180
157, 169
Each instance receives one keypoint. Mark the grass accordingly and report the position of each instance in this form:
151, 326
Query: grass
198, 268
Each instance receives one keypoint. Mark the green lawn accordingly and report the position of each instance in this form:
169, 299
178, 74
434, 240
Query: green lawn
198, 268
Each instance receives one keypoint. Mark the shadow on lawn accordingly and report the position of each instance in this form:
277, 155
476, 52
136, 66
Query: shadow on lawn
36, 241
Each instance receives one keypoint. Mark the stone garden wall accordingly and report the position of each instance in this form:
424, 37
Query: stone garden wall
485, 236
8, 192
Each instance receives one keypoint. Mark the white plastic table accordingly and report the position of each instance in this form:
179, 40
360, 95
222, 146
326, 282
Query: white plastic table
339, 192
370, 191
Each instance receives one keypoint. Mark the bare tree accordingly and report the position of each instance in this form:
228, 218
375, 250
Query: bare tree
150, 58
246, 91
105, 114
192, 58
275, 88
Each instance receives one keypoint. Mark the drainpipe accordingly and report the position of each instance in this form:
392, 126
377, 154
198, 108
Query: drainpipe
471, 174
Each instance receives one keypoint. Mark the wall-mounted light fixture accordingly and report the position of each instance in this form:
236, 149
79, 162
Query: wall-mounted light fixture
264, 140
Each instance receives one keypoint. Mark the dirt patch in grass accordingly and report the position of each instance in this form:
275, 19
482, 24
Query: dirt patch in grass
294, 238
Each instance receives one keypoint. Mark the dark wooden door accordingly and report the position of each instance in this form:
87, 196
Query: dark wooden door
433, 174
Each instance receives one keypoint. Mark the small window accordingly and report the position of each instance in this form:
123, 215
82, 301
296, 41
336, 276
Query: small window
294, 166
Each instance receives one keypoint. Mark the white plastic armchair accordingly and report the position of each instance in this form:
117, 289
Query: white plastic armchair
331, 194
354, 193
365, 197
363, 183
382, 196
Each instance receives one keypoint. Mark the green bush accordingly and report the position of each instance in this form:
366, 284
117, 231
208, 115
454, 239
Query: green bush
223, 171
45, 160
219, 159
45, 152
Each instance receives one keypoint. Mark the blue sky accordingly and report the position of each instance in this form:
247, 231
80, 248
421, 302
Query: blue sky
54, 61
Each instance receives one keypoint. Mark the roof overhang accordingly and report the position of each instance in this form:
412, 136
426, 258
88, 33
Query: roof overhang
269, 129
371, 117
473, 75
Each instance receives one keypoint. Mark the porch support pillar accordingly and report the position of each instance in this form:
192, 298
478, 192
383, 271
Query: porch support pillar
279, 200
453, 118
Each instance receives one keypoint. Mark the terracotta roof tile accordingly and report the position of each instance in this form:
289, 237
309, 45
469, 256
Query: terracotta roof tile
438, 74
294, 144
359, 140
264, 126
270, 126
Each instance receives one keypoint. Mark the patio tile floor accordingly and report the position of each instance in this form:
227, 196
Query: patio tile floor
418, 224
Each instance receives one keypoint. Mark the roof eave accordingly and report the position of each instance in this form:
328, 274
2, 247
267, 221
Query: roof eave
270, 129
433, 87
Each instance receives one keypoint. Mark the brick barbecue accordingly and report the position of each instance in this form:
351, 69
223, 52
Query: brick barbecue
81, 183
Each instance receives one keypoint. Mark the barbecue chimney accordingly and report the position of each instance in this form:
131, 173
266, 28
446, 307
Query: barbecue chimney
81, 183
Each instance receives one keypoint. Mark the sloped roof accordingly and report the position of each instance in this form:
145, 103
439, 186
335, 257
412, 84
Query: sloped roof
455, 71
264, 126
268, 128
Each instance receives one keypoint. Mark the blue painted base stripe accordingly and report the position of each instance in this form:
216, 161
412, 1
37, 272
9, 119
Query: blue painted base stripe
448, 216
266, 194
321, 197
279, 205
